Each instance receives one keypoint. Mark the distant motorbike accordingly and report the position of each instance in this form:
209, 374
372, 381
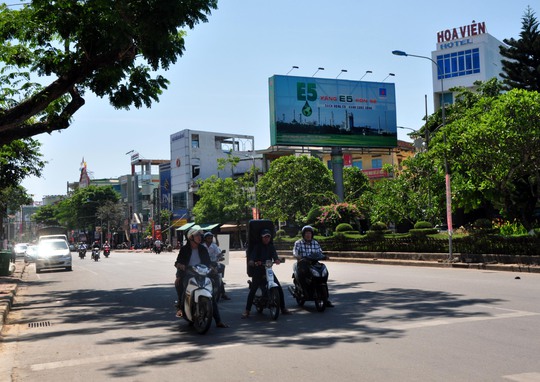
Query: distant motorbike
317, 287
197, 307
106, 251
157, 248
267, 297
82, 252
95, 254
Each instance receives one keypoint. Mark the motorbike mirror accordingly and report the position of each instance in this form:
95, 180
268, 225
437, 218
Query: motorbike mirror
224, 251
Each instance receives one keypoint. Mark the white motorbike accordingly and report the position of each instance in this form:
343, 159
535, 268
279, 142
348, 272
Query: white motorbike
197, 306
269, 296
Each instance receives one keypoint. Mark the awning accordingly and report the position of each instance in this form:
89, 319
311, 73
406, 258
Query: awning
186, 226
209, 227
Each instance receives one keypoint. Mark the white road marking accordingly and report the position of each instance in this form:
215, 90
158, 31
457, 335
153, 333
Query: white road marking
524, 377
121, 357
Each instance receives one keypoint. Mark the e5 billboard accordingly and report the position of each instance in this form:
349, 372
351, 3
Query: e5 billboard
307, 111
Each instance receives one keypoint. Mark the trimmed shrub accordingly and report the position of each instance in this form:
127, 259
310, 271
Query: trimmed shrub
378, 226
280, 233
344, 227
422, 225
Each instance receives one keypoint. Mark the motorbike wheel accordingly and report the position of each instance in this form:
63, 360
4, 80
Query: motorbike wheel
203, 320
297, 295
320, 300
274, 303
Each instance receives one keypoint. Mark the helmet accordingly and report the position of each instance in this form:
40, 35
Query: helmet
193, 232
266, 232
307, 228
208, 234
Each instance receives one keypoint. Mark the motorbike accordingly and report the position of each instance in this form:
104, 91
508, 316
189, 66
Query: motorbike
317, 288
197, 305
157, 249
106, 251
82, 252
95, 254
267, 297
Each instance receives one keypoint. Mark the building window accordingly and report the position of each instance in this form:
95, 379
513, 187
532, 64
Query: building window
458, 64
376, 163
180, 200
357, 164
195, 171
195, 141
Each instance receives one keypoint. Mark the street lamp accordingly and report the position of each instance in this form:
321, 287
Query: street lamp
365, 74
342, 71
317, 71
294, 67
440, 73
389, 75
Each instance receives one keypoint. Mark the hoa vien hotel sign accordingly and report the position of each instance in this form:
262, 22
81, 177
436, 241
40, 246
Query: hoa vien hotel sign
450, 38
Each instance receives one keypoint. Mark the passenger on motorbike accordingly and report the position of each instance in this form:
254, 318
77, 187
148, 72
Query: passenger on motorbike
261, 252
215, 253
193, 253
302, 248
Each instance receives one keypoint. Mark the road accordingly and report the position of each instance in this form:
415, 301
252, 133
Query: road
114, 320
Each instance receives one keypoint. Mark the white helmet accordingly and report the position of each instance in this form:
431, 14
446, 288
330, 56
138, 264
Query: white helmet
193, 232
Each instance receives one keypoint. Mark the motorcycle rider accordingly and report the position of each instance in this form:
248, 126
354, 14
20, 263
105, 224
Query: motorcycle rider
261, 252
193, 253
157, 246
302, 248
95, 245
215, 253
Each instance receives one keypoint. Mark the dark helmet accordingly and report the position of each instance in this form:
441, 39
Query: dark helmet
208, 234
307, 228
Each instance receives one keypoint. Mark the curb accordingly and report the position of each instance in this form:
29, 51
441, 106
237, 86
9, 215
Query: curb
8, 290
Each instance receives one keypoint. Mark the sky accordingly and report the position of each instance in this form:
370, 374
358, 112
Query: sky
220, 84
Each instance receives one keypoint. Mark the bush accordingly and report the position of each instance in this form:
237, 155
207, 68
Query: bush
280, 233
421, 233
422, 225
378, 226
482, 224
344, 227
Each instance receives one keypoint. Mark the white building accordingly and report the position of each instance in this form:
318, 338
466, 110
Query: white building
464, 55
195, 154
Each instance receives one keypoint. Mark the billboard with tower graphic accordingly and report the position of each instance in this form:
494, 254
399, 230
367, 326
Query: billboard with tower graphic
307, 111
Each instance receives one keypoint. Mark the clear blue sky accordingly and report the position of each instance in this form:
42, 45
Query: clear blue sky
221, 83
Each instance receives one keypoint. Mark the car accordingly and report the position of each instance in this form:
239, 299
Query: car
20, 249
53, 253
31, 253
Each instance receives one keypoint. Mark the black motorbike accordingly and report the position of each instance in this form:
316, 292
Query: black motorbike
82, 252
217, 277
95, 254
317, 278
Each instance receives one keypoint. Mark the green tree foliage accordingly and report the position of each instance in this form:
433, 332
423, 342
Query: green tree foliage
355, 183
80, 210
223, 200
46, 215
522, 69
11, 198
493, 149
336, 214
110, 215
18, 160
292, 186
109, 48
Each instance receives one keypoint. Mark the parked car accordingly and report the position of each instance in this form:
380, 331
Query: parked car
20, 249
53, 253
31, 253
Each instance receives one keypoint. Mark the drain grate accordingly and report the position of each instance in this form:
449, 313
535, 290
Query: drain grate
41, 324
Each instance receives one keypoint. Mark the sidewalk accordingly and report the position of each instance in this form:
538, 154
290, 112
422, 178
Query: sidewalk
8, 289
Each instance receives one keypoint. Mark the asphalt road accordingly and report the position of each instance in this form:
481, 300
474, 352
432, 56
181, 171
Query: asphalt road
114, 320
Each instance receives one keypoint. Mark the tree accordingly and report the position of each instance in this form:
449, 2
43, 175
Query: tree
355, 182
108, 48
18, 160
11, 198
221, 200
522, 69
292, 186
110, 213
46, 215
495, 154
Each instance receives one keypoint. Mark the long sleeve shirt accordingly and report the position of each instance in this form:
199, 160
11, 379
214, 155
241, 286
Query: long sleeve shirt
304, 248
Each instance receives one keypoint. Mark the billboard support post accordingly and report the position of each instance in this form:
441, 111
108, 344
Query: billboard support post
337, 171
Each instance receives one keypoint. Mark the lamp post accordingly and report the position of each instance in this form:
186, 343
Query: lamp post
252, 156
389, 75
342, 71
446, 168
365, 74
294, 67
317, 71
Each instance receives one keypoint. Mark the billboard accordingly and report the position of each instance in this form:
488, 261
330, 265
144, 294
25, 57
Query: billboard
307, 111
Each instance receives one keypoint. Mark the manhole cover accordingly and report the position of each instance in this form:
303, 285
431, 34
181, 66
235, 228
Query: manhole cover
41, 324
